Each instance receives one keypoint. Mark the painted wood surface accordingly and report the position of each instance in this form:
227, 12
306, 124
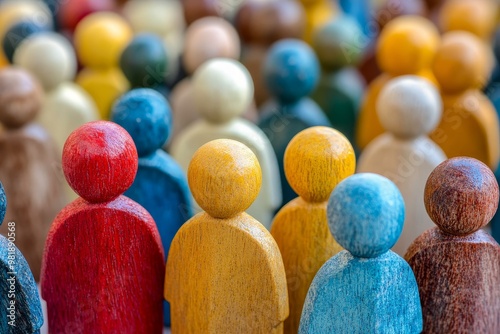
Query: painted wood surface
103, 251
222, 90
339, 45
240, 284
475, 16
366, 288
99, 41
469, 126
20, 303
409, 108
316, 160
28, 169
413, 40
291, 72
160, 185
456, 264
18, 33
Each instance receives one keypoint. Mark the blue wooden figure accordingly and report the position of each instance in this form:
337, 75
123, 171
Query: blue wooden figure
291, 72
160, 185
366, 288
21, 309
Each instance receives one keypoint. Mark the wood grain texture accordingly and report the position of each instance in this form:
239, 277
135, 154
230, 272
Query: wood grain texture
366, 288
20, 303
240, 283
316, 160
457, 264
103, 251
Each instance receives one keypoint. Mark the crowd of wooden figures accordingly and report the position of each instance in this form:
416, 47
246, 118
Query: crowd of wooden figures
249, 167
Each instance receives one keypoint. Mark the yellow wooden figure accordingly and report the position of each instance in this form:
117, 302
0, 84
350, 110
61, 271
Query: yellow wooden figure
469, 126
318, 12
316, 160
99, 41
407, 45
224, 270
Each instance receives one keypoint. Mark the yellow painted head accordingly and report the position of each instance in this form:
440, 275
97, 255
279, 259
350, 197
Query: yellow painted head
225, 178
316, 160
475, 16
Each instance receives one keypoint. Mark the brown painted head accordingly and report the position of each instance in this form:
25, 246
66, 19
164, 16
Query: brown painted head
461, 195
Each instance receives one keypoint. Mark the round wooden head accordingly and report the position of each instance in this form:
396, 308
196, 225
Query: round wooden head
407, 45
100, 39
209, 38
159, 17
366, 213
461, 195
316, 160
20, 97
17, 34
146, 116
339, 43
50, 57
99, 161
409, 106
71, 12
478, 17
222, 90
224, 177
265, 22
198, 9
461, 62
144, 61
15, 11
291, 70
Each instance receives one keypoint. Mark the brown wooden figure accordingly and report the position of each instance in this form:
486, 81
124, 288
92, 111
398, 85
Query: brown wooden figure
316, 160
224, 271
456, 264
469, 126
28, 169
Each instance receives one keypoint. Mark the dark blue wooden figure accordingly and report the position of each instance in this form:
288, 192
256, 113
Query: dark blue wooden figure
291, 72
21, 311
160, 185
17, 33
366, 288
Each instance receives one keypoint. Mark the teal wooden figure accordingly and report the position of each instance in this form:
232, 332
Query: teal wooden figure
291, 72
21, 309
339, 45
160, 185
144, 63
366, 288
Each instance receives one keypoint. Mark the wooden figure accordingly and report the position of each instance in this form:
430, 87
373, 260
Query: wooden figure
222, 91
457, 265
99, 41
71, 12
341, 87
409, 108
291, 72
28, 166
20, 303
240, 281
206, 39
198, 9
103, 264
469, 126
16, 34
160, 185
366, 288
412, 41
66, 106
283, 19
318, 12
316, 160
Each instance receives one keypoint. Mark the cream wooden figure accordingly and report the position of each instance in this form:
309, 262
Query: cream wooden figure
409, 108
50, 57
222, 91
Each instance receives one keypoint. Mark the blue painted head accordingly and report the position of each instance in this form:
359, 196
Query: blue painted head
146, 115
291, 70
3, 203
17, 33
366, 213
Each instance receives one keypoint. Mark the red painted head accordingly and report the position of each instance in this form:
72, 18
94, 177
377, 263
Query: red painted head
100, 161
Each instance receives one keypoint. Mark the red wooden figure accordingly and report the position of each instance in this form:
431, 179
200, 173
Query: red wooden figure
103, 264
456, 264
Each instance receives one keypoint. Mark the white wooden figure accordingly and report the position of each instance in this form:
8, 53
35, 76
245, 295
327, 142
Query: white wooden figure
409, 108
222, 91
